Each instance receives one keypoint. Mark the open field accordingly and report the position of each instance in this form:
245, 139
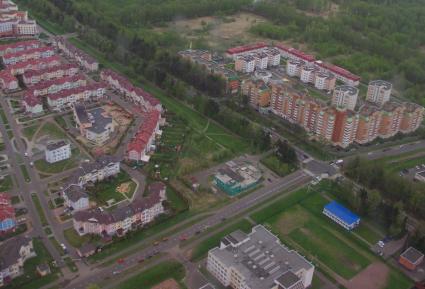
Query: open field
274, 164
6, 183
217, 32
299, 222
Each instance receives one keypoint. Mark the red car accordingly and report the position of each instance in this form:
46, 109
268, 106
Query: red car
183, 238
120, 261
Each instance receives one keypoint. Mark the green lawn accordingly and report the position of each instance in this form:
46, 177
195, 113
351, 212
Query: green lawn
29, 131
55, 168
25, 173
39, 209
397, 280
56, 244
274, 164
155, 275
106, 190
31, 279
6, 183
201, 249
52, 130
176, 202
70, 264
74, 239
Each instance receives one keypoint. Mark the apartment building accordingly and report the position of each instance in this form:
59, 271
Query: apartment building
8, 82
123, 219
102, 168
94, 124
379, 92
258, 260
25, 55
245, 49
56, 85
57, 151
75, 198
33, 64
143, 142
278, 92
32, 104
325, 124
324, 81
308, 74
83, 59
293, 67
14, 253
295, 54
311, 115
257, 91
345, 97
370, 119
261, 60
273, 56
32, 77
67, 98
125, 87
412, 117
7, 214
345, 128
245, 63
392, 115
340, 73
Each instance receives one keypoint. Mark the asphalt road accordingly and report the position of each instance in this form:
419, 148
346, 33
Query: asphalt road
97, 275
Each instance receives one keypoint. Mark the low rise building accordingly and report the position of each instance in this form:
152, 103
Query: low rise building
411, 258
142, 144
295, 54
236, 177
94, 124
67, 98
75, 198
25, 55
57, 151
341, 215
293, 67
273, 55
7, 214
96, 171
340, 73
83, 59
246, 49
324, 81
13, 254
258, 260
15, 23
121, 220
308, 74
32, 77
19, 46
245, 63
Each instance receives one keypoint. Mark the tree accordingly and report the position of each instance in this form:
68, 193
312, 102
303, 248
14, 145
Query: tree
211, 108
285, 153
93, 286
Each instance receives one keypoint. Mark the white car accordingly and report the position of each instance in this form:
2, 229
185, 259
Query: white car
381, 244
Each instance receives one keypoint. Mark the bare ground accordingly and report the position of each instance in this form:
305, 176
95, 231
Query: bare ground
373, 276
167, 284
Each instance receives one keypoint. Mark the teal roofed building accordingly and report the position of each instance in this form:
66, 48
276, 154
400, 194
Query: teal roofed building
235, 178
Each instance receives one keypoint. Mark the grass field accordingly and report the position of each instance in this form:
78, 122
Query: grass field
6, 183
74, 239
52, 130
29, 131
106, 190
155, 275
201, 250
299, 222
31, 279
39, 209
25, 173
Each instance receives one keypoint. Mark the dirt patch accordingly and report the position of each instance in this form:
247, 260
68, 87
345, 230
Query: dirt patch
167, 284
292, 220
373, 276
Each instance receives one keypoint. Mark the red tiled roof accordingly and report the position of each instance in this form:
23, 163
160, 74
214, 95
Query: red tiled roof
296, 52
146, 129
28, 51
68, 92
338, 70
245, 48
29, 43
6, 209
65, 67
33, 63
59, 81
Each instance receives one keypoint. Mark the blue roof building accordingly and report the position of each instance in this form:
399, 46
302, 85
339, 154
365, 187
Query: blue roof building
341, 215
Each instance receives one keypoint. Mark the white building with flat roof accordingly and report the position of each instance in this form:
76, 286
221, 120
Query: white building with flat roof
379, 91
57, 151
345, 96
258, 260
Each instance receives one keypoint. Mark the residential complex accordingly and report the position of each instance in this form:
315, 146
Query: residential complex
143, 142
246, 49
339, 124
379, 92
15, 23
258, 260
31, 77
7, 214
57, 151
257, 91
75, 198
133, 93
82, 58
103, 167
341, 215
26, 55
94, 124
13, 254
122, 219
236, 177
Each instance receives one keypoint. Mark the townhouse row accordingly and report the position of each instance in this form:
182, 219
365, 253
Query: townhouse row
32, 77
122, 219
25, 55
15, 23
83, 59
143, 142
125, 87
